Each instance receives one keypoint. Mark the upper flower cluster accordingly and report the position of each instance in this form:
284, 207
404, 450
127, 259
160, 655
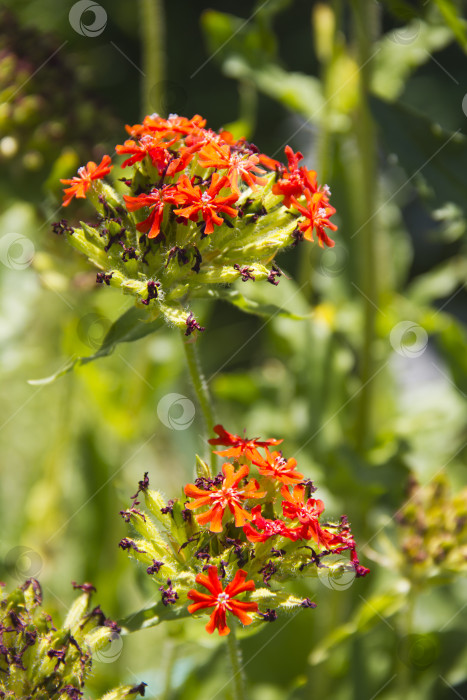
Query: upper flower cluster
200, 208
234, 525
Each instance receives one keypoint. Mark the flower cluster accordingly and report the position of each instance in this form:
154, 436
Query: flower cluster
433, 531
44, 662
255, 531
195, 210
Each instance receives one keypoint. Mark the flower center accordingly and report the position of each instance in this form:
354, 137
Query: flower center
206, 197
222, 599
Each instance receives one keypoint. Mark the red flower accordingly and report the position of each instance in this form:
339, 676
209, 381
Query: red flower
269, 528
226, 496
155, 201
166, 127
295, 180
222, 600
275, 466
148, 146
239, 446
87, 173
294, 507
208, 203
316, 216
236, 164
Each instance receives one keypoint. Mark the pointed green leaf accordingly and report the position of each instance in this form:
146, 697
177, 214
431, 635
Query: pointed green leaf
250, 306
154, 615
129, 327
452, 15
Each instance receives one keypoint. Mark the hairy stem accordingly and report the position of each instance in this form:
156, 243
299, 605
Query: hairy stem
153, 42
235, 653
199, 384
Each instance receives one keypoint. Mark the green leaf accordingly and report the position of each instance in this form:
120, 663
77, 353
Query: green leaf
453, 18
403, 50
126, 329
425, 150
250, 306
154, 615
440, 282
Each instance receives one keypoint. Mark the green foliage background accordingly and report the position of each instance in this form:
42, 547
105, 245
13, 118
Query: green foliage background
378, 106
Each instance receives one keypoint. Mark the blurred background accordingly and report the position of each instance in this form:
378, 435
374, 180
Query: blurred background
369, 395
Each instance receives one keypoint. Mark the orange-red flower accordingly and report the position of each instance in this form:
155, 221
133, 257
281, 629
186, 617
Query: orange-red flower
295, 180
238, 446
221, 600
238, 165
155, 201
275, 466
316, 215
87, 173
269, 528
227, 496
295, 508
193, 201
147, 146
166, 127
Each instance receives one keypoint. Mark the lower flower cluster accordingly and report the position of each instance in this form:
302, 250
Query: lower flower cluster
256, 532
44, 662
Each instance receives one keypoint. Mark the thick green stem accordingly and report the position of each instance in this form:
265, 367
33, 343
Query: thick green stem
199, 384
365, 22
235, 653
153, 41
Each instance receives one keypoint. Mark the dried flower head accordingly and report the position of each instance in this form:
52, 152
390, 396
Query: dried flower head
196, 211
254, 532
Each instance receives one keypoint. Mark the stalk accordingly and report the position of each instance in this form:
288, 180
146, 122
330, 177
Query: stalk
235, 654
365, 14
199, 384
153, 43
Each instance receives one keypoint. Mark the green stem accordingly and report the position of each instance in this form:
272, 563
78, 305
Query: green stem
199, 384
235, 653
153, 41
365, 20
